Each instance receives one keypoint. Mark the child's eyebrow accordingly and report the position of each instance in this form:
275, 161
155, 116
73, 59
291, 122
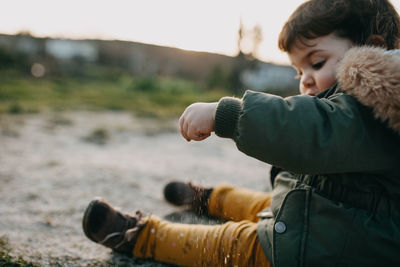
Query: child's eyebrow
312, 52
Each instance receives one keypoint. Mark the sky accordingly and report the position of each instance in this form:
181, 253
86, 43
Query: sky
199, 25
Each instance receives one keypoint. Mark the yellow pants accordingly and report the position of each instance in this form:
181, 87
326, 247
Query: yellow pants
233, 243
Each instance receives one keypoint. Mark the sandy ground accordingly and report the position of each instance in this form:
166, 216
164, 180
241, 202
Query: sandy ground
53, 164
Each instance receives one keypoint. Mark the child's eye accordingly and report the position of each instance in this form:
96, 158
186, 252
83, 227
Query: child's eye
318, 65
298, 76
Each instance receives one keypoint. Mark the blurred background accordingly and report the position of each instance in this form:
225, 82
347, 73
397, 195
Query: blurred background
123, 55
150, 57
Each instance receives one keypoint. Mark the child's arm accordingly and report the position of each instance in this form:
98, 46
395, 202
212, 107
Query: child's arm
197, 121
306, 134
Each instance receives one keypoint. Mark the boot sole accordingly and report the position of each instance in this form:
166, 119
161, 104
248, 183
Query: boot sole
85, 220
178, 193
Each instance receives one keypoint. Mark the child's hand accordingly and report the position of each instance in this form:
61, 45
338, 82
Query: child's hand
197, 121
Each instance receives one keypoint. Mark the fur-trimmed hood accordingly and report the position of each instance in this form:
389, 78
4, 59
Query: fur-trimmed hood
372, 75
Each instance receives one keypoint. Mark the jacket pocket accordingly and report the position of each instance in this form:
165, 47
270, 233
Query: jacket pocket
330, 226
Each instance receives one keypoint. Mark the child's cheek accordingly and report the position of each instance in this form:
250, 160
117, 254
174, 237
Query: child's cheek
326, 81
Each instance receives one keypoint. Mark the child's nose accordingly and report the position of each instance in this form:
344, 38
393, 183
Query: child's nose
307, 81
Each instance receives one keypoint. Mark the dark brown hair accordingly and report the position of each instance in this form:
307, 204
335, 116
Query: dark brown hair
357, 20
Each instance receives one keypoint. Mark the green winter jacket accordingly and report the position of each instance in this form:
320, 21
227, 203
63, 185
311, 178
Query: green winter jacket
338, 201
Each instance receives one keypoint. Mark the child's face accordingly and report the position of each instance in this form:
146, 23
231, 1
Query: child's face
316, 63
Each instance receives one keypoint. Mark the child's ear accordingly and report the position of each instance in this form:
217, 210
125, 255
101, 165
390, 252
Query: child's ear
377, 41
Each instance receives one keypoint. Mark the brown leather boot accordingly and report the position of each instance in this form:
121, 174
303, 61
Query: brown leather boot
194, 196
107, 226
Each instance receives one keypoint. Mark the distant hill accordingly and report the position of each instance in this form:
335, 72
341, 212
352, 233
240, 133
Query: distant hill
145, 59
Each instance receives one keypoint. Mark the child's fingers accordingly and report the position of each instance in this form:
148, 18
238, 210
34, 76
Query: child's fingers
201, 137
183, 126
181, 120
185, 131
191, 133
198, 135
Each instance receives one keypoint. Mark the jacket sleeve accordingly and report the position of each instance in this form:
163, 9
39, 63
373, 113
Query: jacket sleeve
305, 134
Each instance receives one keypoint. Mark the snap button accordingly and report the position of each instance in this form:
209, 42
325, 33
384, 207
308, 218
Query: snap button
280, 227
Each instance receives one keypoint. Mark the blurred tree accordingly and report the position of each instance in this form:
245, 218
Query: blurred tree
257, 39
25, 33
249, 40
241, 33
248, 44
14, 60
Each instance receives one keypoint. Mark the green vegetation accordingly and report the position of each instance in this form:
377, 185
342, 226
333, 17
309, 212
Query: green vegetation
76, 84
145, 96
7, 260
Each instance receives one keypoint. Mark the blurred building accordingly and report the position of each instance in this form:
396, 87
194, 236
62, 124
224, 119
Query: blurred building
271, 78
69, 49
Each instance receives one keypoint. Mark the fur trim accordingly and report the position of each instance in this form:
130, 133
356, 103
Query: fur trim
372, 75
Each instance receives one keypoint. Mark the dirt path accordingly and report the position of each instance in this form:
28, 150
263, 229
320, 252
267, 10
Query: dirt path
52, 165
